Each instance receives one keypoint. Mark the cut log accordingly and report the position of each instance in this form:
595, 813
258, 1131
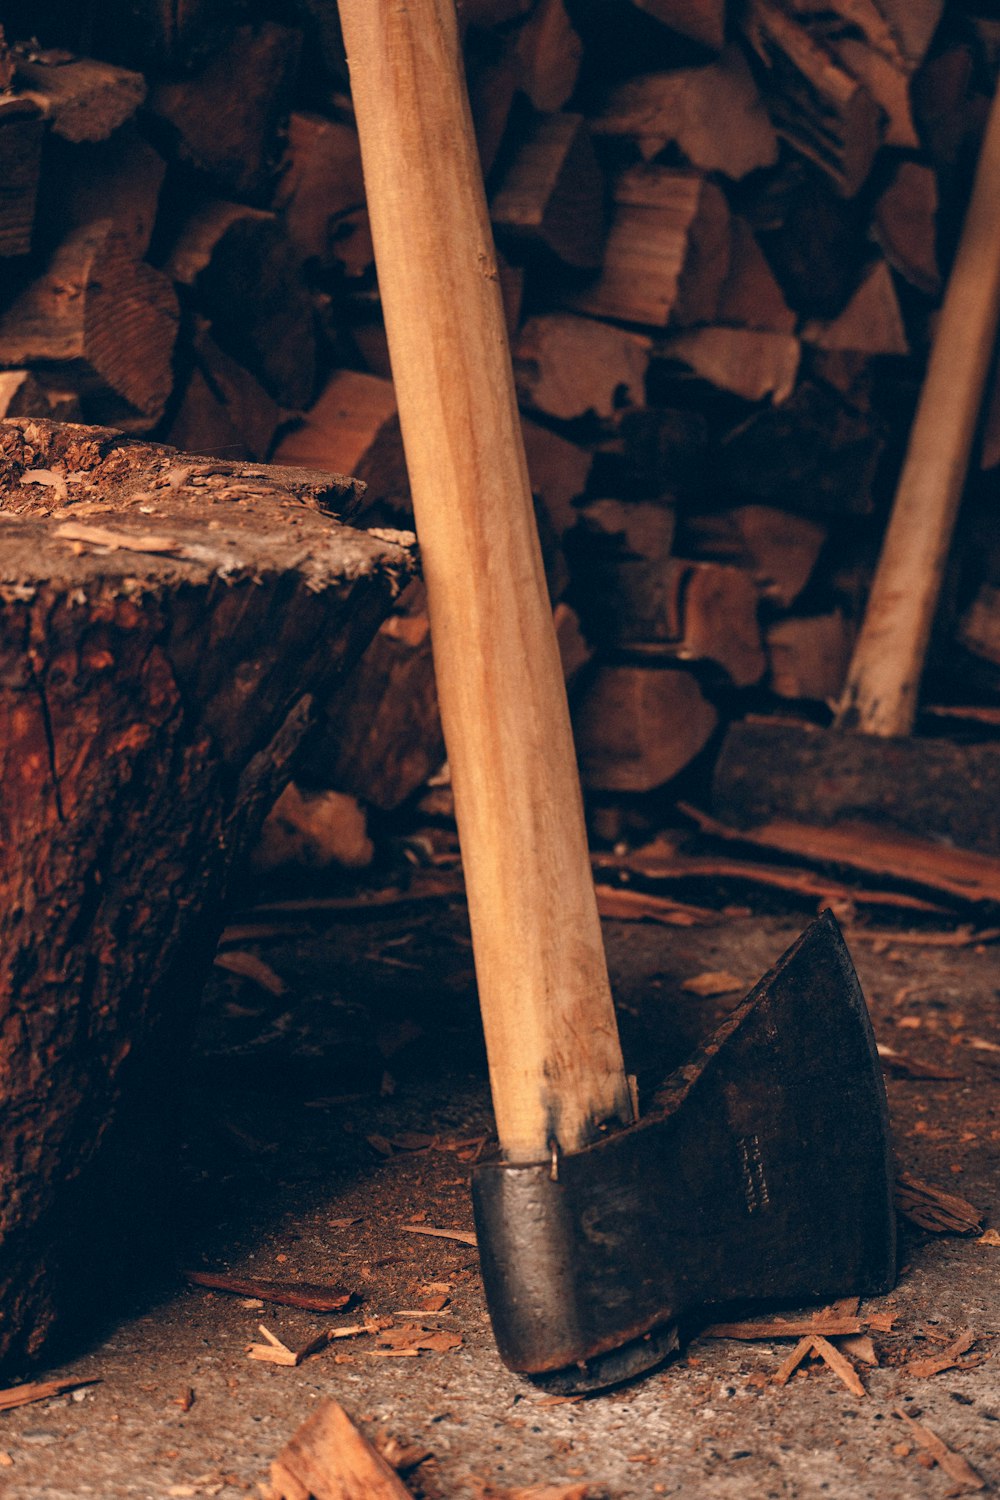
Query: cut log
809, 655
913, 23
638, 727
22, 395
552, 194
714, 115
702, 20
379, 736
814, 239
667, 255
329, 1459
321, 194
118, 179
245, 277
84, 100
22, 130
567, 367
871, 323
887, 80
548, 52
750, 296
353, 429
662, 453
178, 643
558, 471
817, 106
752, 364
112, 341
225, 411
777, 548
905, 225
979, 626
225, 120
493, 75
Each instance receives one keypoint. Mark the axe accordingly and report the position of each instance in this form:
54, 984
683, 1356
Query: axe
761, 1169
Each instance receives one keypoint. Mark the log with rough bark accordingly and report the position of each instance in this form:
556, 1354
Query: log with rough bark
167, 624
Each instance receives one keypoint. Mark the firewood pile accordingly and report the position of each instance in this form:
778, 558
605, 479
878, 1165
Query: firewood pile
723, 233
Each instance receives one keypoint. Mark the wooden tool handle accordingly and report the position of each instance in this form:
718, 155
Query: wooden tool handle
880, 696
555, 1060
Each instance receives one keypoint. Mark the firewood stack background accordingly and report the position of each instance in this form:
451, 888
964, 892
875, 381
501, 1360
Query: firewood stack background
723, 234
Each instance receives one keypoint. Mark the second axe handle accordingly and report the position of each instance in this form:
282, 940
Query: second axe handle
883, 680
555, 1059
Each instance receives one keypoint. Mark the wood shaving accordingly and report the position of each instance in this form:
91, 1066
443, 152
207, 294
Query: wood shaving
464, 1236
954, 1465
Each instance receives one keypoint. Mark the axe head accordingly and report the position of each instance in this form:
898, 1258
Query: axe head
762, 1173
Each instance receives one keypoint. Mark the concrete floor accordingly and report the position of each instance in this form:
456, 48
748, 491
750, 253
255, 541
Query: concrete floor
377, 1035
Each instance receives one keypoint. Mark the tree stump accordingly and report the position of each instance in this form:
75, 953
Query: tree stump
166, 623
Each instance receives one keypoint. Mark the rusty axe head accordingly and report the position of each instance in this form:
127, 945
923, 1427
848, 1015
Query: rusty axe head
761, 1172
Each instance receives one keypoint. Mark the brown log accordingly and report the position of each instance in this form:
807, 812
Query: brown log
488, 13
549, 53
871, 323
353, 429
777, 548
637, 727
808, 655
667, 255
7, 64
84, 100
979, 626
23, 395
714, 115
567, 366
22, 131
753, 364
321, 194
913, 23
819, 108
750, 296
702, 20
225, 120
225, 411
117, 179
112, 341
329, 1459
245, 277
493, 76
905, 225
178, 641
379, 736
551, 196
558, 471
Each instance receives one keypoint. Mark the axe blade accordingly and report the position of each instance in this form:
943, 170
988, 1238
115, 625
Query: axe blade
761, 1173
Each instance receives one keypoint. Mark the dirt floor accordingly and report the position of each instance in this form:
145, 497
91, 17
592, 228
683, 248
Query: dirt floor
325, 1118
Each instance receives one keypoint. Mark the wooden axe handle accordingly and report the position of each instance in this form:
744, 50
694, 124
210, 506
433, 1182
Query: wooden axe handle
555, 1059
880, 696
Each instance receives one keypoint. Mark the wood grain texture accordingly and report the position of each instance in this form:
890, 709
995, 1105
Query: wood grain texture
884, 677
555, 1059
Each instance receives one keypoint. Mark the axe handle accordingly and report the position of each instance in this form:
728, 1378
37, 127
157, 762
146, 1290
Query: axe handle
880, 696
555, 1059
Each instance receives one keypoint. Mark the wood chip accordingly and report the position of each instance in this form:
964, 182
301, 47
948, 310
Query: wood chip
859, 1346
100, 536
713, 982
328, 1457
883, 1321
414, 1336
274, 1352
948, 1359
784, 1328
933, 1210
840, 1366
791, 1363
249, 966
306, 1294
40, 1390
954, 1465
991, 1237
464, 1236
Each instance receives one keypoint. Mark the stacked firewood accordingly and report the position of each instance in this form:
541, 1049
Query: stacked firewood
723, 233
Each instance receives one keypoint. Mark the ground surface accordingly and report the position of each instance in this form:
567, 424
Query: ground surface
377, 1036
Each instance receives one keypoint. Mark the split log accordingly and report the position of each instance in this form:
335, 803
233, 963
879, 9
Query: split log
913, 23
22, 130
84, 100
113, 341
809, 655
662, 453
750, 296
667, 255
118, 179
979, 626
245, 277
702, 20
178, 642
568, 367
23, 395
321, 194
379, 736
753, 364
558, 471
225, 412
225, 120
551, 196
638, 727
548, 52
871, 323
493, 75
815, 240
905, 225
714, 115
776, 548
817, 106
353, 429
